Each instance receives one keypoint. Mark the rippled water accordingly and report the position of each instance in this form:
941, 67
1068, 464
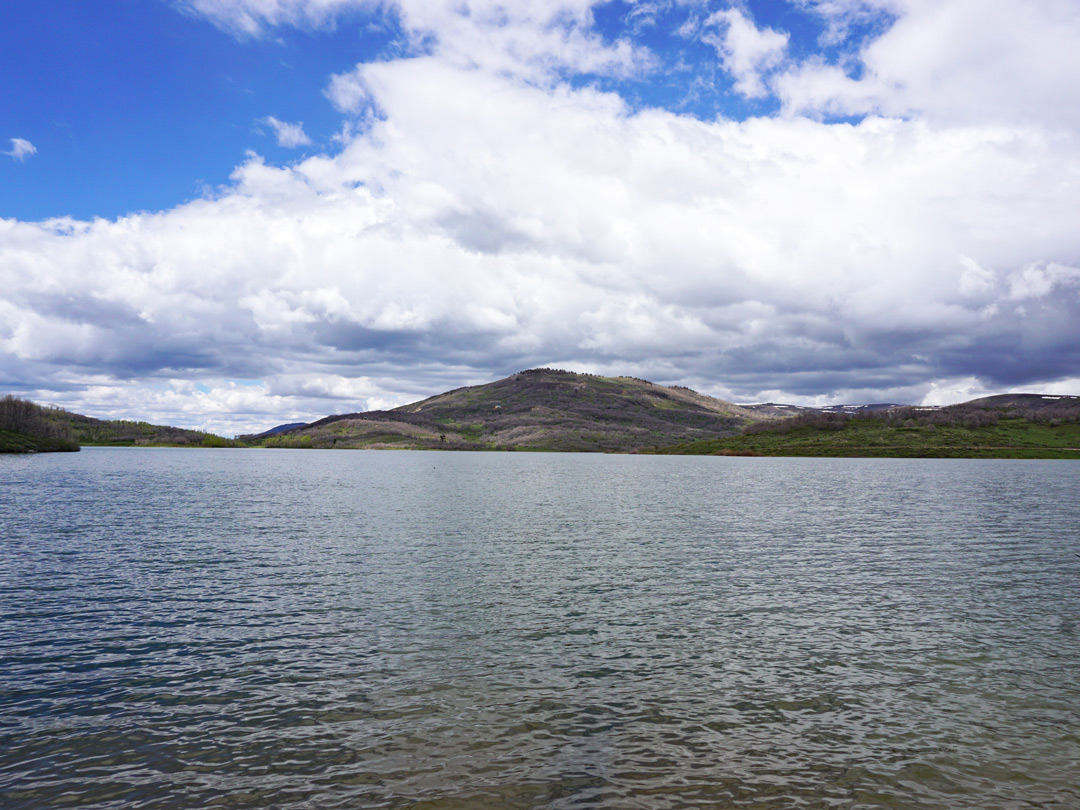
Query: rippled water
320, 629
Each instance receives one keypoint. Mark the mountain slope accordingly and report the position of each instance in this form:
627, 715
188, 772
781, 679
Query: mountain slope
539, 409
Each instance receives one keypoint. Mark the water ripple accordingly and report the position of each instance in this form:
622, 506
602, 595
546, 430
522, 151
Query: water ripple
249, 629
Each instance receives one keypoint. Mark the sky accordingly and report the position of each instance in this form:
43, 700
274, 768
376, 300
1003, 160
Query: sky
231, 214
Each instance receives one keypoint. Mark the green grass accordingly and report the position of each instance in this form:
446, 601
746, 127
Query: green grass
667, 404
12, 442
1009, 438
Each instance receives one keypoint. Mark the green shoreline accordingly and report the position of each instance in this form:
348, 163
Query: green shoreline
873, 438
12, 442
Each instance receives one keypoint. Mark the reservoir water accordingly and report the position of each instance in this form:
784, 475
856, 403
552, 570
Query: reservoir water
333, 629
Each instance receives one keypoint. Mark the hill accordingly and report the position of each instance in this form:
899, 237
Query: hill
279, 429
772, 409
539, 409
27, 428
122, 433
1006, 426
1043, 404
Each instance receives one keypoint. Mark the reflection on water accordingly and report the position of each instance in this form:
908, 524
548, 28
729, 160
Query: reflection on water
296, 629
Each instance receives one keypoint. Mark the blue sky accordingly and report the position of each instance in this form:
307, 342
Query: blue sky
232, 213
136, 106
139, 105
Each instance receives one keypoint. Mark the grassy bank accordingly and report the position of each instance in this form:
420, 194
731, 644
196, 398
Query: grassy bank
12, 442
878, 438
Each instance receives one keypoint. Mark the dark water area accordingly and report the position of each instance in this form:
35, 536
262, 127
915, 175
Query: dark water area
321, 629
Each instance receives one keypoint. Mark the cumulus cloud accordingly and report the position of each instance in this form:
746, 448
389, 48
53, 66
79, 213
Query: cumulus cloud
736, 256
492, 217
957, 61
288, 135
21, 149
535, 40
745, 50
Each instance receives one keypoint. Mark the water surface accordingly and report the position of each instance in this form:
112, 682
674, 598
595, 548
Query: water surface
320, 629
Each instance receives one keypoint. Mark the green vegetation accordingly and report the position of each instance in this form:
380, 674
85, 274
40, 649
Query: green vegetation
973, 430
13, 442
121, 433
29, 428
540, 409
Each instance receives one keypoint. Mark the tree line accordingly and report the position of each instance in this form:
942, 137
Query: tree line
23, 416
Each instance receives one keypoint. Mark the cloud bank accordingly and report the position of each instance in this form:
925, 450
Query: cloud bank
484, 214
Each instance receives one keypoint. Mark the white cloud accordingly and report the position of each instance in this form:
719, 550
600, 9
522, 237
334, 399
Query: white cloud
841, 16
954, 61
491, 217
953, 390
252, 18
288, 135
1039, 279
532, 40
21, 149
535, 40
975, 279
746, 51
483, 225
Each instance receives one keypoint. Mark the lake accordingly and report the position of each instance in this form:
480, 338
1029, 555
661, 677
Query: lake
325, 629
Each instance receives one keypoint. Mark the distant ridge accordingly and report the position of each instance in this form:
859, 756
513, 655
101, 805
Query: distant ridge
1032, 402
1001, 426
780, 410
274, 431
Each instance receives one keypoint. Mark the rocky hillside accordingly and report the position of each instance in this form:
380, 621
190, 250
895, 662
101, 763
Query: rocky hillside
539, 409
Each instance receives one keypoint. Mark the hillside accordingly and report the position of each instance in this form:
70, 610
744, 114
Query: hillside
1043, 404
1007, 426
122, 433
29, 428
539, 409
12, 441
